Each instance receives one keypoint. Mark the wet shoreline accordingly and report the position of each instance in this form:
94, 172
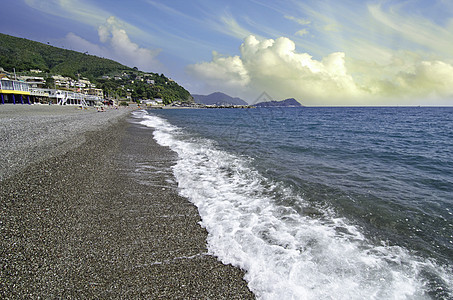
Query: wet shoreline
104, 219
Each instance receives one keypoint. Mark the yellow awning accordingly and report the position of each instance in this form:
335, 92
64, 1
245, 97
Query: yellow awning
14, 92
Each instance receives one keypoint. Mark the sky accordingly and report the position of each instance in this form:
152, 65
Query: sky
320, 52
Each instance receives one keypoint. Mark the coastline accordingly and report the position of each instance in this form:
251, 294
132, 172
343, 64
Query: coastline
103, 219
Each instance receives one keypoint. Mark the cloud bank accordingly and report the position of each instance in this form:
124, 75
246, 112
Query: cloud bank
276, 67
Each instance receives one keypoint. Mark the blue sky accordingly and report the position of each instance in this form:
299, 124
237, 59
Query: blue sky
337, 52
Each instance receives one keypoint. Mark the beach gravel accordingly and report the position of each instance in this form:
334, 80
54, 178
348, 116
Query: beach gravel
101, 217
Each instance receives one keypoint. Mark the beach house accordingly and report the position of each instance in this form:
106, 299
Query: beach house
13, 91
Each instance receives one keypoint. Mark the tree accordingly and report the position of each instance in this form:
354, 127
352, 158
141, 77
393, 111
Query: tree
50, 83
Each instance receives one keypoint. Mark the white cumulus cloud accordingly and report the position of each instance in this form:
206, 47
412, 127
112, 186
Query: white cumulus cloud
276, 67
114, 35
116, 45
227, 71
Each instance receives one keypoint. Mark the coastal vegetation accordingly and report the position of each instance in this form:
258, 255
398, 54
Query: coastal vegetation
117, 80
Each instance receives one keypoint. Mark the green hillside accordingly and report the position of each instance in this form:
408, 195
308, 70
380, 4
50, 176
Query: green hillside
22, 55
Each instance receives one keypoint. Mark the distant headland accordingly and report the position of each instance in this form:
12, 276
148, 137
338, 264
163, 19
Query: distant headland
290, 102
219, 99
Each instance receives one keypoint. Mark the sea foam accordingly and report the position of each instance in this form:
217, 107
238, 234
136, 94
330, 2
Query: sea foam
285, 254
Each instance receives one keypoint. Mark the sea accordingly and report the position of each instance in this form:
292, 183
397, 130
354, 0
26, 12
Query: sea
321, 202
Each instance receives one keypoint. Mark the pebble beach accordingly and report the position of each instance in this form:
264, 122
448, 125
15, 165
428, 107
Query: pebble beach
90, 209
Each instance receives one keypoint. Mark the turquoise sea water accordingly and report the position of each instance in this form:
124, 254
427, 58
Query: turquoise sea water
322, 203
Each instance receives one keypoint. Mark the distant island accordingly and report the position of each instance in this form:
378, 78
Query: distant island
218, 99
291, 102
